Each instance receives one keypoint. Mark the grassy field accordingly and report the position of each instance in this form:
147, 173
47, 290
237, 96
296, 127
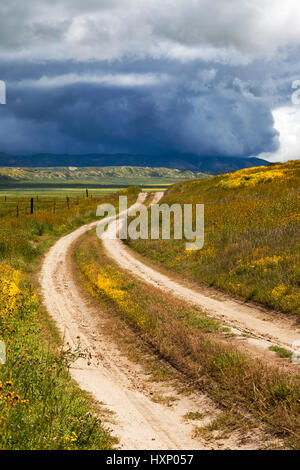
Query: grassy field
13, 203
40, 406
252, 237
51, 188
248, 390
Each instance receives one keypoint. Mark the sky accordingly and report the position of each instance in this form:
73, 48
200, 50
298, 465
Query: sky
151, 77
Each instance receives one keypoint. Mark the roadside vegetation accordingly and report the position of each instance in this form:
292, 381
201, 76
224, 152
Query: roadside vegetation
252, 236
247, 389
40, 406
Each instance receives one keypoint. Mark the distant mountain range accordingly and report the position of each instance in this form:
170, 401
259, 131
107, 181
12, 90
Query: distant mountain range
210, 165
94, 175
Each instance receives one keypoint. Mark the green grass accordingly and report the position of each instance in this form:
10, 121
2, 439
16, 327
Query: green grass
200, 321
252, 238
40, 406
281, 352
193, 416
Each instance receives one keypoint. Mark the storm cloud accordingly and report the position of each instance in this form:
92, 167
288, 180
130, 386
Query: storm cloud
182, 76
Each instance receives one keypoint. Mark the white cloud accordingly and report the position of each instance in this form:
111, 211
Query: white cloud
118, 80
287, 123
236, 31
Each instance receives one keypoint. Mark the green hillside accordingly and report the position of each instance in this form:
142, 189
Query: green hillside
96, 175
252, 236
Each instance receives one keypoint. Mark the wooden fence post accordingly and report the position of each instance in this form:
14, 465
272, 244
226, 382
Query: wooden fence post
31, 205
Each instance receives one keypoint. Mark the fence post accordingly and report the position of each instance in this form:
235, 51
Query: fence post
87, 193
68, 202
17, 211
54, 206
31, 205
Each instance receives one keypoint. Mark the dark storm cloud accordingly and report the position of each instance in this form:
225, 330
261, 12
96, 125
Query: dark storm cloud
203, 114
161, 77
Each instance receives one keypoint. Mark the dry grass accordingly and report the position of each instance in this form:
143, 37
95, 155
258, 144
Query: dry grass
193, 416
222, 426
229, 377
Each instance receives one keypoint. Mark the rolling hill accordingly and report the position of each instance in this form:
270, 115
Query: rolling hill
252, 239
91, 175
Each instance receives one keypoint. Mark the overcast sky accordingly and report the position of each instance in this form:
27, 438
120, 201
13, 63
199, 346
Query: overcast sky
150, 76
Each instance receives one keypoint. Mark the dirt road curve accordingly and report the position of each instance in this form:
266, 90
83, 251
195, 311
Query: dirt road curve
244, 319
112, 379
139, 422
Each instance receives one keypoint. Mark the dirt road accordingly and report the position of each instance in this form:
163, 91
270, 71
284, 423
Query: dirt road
117, 383
138, 422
